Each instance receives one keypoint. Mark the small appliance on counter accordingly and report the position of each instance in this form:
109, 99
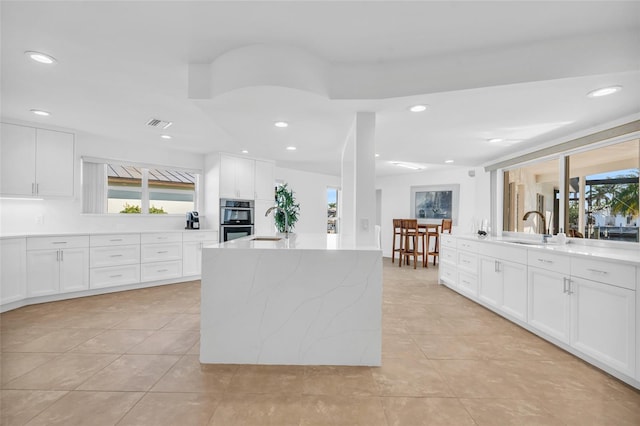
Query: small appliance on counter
193, 220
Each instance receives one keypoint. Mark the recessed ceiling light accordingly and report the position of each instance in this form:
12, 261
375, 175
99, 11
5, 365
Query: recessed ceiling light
291, 148
407, 165
495, 140
244, 151
377, 155
604, 91
165, 136
43, 58
418, 108
41, 112
281, 124
448, 161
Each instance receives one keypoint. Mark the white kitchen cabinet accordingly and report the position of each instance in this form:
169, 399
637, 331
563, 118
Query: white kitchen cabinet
447, 269
549, 304
37, 162
13, 272
192, 243
467, 262
502, 279
237, 177
490, 281
603, 323
114, 260
264, 181
57, 264
514, 290
264, 225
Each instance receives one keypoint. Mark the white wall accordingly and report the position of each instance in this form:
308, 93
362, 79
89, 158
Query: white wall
64, 215
310, 190
396, 198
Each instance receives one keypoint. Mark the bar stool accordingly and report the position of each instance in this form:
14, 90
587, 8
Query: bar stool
411, 238
397, 232
445, 228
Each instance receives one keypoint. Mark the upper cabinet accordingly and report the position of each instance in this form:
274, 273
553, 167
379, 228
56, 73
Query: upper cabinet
237, 177
265, 181
36, 162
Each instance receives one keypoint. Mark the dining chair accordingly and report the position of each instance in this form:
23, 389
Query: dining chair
411, 240
444, 228
397, 236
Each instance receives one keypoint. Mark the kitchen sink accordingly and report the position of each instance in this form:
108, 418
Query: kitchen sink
266, 239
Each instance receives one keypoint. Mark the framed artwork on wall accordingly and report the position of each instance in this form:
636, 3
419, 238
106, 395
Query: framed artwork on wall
432, 203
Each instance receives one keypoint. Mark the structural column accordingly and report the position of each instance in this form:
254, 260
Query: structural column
358, 180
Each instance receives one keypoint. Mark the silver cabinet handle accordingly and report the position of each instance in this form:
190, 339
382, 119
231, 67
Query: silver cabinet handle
37, 188
62, 255
116, 255
57, 255
33, 188
597, 271
545, 260
163, 270
569, 286
163, 251
162, 238
115, 276
59, 242
116, 239
564, 285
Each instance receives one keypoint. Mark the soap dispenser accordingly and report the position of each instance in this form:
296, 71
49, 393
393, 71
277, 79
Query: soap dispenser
561, 237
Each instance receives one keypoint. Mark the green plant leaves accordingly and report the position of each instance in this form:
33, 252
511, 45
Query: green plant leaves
286, 200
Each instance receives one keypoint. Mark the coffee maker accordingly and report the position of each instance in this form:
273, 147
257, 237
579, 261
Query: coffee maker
193, 221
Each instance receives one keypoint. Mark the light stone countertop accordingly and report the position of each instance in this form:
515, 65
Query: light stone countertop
82, 233
295, 242
627, 254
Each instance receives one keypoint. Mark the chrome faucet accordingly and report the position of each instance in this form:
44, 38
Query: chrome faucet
545, 233
286, 219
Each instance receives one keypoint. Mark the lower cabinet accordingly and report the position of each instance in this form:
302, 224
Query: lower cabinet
503, 284
13, 270
549, 303
192, 244
603, 323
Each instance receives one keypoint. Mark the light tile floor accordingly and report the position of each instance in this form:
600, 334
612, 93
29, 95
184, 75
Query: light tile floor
131, 358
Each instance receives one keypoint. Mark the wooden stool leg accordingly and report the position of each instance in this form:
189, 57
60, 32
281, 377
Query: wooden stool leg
393, 247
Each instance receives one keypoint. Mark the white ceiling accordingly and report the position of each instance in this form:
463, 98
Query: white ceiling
514, 70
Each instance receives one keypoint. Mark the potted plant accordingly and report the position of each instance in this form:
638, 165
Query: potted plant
286, 200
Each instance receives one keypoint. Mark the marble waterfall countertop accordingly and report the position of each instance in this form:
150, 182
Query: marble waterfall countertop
296, 242
309, 300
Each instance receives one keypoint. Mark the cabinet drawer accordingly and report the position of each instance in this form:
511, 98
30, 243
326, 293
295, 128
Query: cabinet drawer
200, 236
114, 276
160, 252
618, 274
114, 240
468, 245
160, 270
549, 261
468, 283
45, 243
447, 240
448, 255
448, 274
161, 237
112, 256
468, 262
506, 252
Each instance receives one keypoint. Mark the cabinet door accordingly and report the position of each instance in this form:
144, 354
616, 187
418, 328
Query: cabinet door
54, 163
228, 177
43, 272
549, 306
264, 225
603, 323
18, 153
264, 181
13, 270
490, 281
74, 269
191, 258
514, 294
245, 176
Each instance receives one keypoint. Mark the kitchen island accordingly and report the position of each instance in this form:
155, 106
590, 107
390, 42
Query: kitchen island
307, 300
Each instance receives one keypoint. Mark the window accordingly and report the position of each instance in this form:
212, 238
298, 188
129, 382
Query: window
601, 194
115, 188
532, 188
332, 210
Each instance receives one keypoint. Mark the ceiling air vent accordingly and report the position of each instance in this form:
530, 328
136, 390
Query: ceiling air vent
154, 122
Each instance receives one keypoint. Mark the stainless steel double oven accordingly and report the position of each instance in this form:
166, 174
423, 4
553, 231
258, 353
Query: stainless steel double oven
236, 219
